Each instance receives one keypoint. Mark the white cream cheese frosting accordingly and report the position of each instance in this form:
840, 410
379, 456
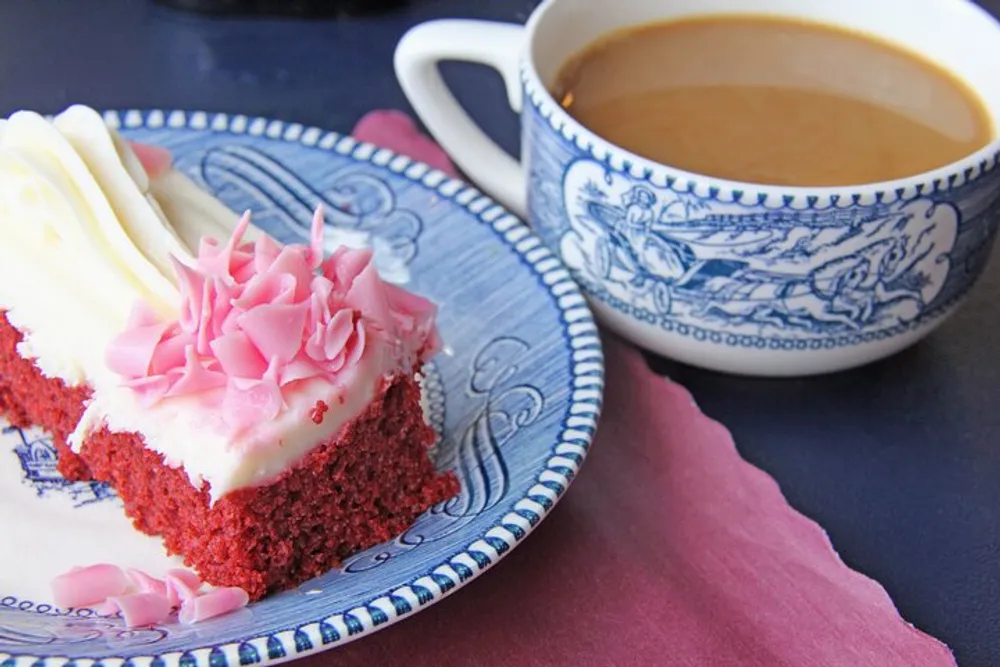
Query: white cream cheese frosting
85, 235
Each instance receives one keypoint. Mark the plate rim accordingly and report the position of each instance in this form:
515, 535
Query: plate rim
577, 428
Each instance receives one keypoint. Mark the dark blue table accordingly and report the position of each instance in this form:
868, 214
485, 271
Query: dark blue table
899, 461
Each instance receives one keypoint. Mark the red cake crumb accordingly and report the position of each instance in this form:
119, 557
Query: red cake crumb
361, 487
318, 411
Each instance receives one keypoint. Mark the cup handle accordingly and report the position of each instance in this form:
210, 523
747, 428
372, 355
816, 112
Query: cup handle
497, 45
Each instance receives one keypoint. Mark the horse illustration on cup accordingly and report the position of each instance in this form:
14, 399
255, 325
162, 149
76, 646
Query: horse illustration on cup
873, 267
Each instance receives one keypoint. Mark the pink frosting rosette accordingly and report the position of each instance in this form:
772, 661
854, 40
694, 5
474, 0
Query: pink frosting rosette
258, 319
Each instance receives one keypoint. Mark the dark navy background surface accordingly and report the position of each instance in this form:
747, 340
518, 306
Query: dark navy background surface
899, 461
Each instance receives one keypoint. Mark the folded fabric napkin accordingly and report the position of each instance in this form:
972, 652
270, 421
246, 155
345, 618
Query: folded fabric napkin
668, 549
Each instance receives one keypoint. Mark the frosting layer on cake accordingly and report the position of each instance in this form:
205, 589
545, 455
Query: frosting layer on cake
231, 359
82, 240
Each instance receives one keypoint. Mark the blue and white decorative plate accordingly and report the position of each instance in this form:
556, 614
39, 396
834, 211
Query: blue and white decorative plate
515, 397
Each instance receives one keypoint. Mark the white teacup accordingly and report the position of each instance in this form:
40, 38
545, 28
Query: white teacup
909, 251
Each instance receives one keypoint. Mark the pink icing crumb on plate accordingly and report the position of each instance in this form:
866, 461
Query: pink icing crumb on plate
189, 578
155, 160
145, 583
86, 586
139, 609
181, 589
211, 604
143, 599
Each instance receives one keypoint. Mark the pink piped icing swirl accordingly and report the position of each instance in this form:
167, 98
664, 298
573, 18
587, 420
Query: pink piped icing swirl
258, 319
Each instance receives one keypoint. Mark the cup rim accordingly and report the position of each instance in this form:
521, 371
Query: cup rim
948, 177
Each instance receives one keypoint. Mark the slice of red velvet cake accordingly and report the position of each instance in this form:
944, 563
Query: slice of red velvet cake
254, 404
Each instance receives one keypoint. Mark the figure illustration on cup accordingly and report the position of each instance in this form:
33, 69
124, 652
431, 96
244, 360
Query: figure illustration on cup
750, 186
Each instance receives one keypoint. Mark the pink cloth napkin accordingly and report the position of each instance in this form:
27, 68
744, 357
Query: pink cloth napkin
667, 549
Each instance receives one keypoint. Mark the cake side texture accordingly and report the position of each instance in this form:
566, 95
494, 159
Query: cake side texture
28, 398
